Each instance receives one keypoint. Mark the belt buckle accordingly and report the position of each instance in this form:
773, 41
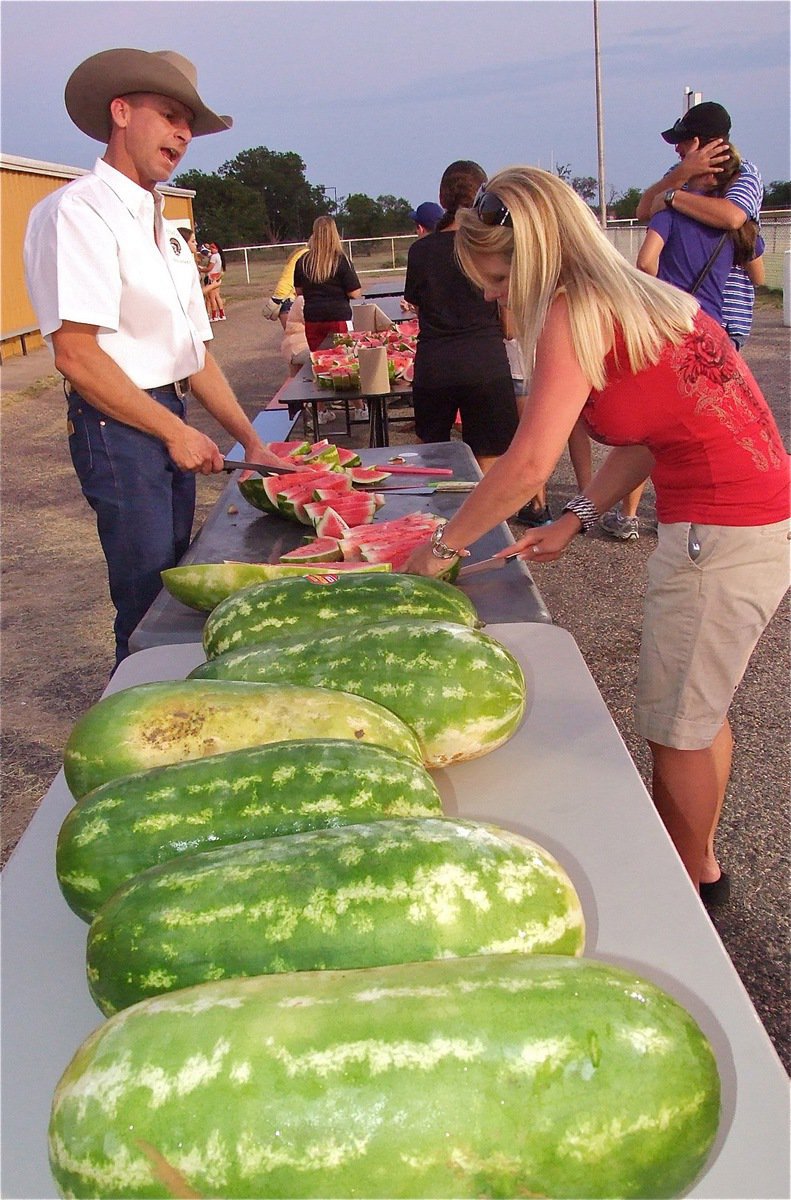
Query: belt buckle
182, 387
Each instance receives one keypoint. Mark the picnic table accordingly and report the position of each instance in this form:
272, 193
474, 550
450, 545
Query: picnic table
384, 287
565, 780
235, 530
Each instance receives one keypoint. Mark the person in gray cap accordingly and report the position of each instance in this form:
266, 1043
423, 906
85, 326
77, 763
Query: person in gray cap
119, 300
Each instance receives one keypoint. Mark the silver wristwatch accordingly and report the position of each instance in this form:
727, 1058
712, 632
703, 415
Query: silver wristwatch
438, 547
584, 510
669, 197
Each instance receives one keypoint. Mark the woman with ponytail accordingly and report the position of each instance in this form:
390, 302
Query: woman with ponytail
461, 364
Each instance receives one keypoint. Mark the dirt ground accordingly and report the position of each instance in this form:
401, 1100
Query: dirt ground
57, 645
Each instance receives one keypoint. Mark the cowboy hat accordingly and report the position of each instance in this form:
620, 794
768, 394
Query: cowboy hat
98, 80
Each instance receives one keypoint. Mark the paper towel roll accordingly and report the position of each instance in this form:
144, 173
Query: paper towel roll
374, 377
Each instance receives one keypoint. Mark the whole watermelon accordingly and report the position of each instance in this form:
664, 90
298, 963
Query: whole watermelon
459, 690
150, 817
282, 607
504, 1075
395, 890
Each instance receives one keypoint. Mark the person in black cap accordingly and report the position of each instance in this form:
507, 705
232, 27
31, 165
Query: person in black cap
701, 138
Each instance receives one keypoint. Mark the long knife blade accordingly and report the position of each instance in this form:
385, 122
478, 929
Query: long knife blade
429, 489
487, 564
262, 468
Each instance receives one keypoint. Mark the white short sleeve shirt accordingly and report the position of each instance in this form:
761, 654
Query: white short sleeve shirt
98, 252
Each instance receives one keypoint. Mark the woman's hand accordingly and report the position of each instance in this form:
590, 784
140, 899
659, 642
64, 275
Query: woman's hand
547, 542
423, 561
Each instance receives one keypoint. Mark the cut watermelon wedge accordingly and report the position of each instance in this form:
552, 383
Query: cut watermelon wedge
320, 550
330, 524
287, 449
365, 476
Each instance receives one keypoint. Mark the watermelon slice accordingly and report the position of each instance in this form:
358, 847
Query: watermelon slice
319, 550
339, 485
287, 449
348, 458
367, 475
327, 456
330, 524
358, 511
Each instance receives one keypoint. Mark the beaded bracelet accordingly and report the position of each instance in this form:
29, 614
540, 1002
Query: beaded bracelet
584, 510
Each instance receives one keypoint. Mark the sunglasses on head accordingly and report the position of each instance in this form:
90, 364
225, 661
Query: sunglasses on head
490, 208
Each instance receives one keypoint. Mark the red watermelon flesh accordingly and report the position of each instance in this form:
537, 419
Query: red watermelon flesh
382, 530
367, 475
287, 449
319, 550
358, 511
330, 524
348, 458
340, 486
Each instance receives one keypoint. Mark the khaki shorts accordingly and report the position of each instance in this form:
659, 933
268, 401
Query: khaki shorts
712, 590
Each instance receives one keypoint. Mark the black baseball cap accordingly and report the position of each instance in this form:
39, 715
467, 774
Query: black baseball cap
704, 121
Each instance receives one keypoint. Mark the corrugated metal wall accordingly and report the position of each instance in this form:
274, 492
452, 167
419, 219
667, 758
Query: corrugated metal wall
20, 189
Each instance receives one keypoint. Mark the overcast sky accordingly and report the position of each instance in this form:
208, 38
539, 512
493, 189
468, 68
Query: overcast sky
378, 96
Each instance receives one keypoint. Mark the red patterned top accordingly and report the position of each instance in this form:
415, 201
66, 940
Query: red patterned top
720, 459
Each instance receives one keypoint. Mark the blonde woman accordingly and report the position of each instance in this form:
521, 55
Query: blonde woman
658, 379
328, 281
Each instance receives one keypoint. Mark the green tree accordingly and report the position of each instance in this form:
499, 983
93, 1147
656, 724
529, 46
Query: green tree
226, 211
278, 178
362, 216
359, 215
778, 194
395, 215
625, 205
585, 186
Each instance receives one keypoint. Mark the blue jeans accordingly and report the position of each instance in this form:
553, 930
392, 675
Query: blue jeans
144, 504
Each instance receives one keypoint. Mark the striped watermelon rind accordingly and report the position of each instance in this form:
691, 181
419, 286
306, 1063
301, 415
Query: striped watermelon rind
362, 895
152, 724
153, 816
462, 692
504, 1075
203, 585
284, 607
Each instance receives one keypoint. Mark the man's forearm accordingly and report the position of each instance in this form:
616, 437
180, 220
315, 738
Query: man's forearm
216, 395
715, 211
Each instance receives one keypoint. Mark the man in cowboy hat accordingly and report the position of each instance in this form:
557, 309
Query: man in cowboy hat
118, 297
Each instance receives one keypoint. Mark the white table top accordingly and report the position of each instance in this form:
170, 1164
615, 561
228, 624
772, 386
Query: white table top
566, 780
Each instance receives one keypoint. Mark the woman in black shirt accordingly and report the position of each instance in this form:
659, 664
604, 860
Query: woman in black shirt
461, 364
327, 280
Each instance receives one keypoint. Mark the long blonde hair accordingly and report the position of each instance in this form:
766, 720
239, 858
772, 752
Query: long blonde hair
324, 250
554, 245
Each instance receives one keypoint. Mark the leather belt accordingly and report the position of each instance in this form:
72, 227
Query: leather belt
182, 387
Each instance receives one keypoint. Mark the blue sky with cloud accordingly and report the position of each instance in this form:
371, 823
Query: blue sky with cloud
378, 96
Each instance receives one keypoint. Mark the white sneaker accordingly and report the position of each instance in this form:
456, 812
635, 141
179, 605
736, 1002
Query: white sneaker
361, 413
326, 416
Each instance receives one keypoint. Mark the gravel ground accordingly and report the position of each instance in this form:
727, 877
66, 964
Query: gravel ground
57, 641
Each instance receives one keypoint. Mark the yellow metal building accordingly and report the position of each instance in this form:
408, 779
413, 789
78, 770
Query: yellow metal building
23, 182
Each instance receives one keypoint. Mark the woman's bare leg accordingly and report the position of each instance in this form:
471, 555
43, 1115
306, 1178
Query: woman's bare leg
688, 790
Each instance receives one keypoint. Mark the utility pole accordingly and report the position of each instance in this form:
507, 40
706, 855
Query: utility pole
691, 98
599, 117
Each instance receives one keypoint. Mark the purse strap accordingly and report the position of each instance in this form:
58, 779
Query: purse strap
709, 264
